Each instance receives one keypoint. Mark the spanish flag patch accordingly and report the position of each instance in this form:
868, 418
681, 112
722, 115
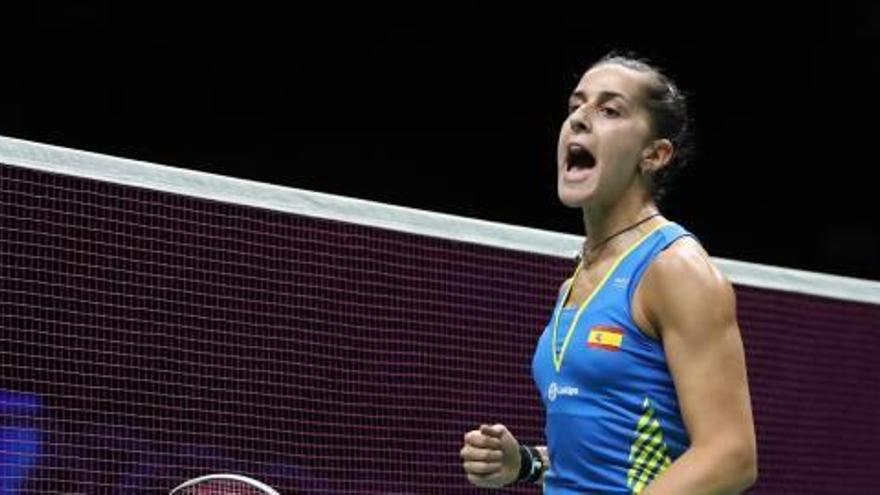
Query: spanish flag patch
607, 338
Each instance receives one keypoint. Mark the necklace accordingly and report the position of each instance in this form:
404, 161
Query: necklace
557, 356
583, 254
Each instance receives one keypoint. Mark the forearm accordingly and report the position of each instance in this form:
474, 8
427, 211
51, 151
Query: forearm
706, 470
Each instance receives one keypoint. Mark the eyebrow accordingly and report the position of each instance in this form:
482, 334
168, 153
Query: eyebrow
602, 96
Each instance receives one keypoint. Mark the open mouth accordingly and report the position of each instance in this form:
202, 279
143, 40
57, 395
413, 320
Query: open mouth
579, 158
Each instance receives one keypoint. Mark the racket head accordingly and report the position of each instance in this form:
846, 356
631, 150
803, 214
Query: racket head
223, 484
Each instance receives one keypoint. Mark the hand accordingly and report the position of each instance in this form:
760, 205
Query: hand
490, 456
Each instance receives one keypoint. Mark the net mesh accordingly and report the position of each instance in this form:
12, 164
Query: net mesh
149, 337
167, 336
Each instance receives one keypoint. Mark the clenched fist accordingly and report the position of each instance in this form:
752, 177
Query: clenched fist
490, 456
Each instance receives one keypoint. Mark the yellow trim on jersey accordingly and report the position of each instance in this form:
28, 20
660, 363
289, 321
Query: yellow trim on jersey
557, 358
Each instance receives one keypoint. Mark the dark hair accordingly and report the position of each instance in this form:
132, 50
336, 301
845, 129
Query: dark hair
667, 106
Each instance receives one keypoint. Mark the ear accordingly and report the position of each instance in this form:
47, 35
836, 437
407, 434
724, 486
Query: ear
656, 156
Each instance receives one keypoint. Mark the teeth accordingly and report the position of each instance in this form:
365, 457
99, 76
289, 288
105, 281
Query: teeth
574, 149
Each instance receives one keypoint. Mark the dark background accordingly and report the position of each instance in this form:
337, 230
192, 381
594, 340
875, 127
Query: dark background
456, 108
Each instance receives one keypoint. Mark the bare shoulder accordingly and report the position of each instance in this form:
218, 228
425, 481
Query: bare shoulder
683, 284
684, 264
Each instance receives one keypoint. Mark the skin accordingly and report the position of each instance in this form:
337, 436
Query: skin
682, 299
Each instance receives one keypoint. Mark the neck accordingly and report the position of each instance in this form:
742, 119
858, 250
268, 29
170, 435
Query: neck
602, 221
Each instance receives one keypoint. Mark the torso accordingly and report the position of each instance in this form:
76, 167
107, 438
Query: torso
589, 277
602, 373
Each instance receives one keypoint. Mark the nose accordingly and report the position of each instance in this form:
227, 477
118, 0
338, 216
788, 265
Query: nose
578, 121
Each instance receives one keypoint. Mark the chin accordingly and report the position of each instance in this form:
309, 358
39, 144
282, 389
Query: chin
574, 198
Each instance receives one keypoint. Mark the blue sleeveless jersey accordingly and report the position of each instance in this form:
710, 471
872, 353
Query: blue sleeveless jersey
613, 421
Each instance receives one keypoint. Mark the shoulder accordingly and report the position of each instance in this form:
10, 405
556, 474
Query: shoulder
685, 263
683, 284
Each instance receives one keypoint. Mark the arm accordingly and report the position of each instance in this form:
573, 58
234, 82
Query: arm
490, 455
687, 302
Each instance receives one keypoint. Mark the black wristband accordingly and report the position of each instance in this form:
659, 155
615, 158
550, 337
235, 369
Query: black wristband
531, 466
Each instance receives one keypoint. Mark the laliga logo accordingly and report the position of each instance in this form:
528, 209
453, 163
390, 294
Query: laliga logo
554, 391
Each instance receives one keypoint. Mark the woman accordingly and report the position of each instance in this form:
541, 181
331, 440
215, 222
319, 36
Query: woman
641, 368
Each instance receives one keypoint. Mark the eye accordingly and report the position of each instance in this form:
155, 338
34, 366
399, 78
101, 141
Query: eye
608, 111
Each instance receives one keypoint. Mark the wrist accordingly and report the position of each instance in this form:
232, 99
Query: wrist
531, 466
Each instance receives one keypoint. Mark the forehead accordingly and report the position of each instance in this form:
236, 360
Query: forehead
613, 78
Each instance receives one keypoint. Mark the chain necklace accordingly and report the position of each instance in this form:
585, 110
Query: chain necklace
583, 254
